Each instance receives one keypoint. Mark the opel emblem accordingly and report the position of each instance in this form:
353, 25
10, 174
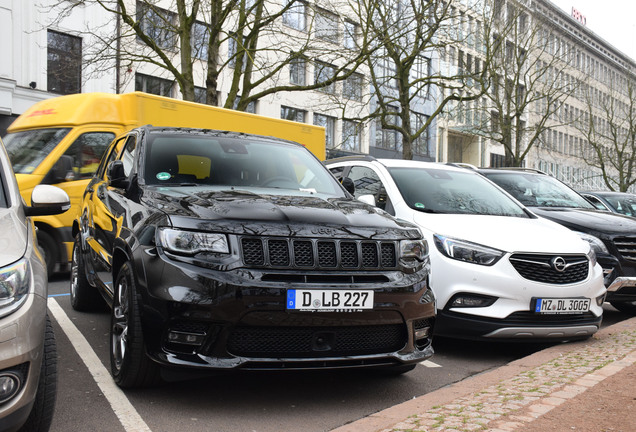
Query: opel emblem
558, 264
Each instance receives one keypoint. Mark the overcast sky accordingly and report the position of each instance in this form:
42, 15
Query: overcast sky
612, 20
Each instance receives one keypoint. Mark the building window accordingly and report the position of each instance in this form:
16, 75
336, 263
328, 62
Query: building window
296, 16
157, 23
388, 138
322, 73
232, 48
64, 63
293, 114
153, 85
297, 69
199, 40
387, 72
351, 132
497, 161
352, 87
420, 144
350, 36
329, 124
326, 26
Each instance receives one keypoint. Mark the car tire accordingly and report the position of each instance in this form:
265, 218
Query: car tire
49, 250
44, 404
129, 364
84, 296
625, 307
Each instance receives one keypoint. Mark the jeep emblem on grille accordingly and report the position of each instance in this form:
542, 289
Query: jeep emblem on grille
558, 264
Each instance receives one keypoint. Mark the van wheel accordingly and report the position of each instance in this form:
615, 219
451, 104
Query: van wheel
625, 307
84, 297
129, 364
49, 250
42, 412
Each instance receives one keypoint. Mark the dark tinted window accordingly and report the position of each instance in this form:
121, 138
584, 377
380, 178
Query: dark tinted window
64, 63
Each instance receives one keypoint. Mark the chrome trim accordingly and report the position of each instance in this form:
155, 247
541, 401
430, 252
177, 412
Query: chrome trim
621, 282
543, 332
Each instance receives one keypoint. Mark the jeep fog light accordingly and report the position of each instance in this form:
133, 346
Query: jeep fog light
9, 386
472, 300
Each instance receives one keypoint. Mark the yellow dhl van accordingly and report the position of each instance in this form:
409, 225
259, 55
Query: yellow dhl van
60, 141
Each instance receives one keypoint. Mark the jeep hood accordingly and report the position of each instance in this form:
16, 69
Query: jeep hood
509, 234
13, 237
241, 210
589, 220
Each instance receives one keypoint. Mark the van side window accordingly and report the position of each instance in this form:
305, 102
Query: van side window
87, 151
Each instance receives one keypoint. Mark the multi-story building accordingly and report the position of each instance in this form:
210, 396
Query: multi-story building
577, 71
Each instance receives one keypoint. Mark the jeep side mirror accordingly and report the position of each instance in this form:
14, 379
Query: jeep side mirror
116, 175
348, 184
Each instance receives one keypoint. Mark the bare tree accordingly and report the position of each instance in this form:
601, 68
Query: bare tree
609, 126
531, 78
252, 43
403, 40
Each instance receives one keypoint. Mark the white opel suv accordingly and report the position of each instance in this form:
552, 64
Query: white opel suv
498, 271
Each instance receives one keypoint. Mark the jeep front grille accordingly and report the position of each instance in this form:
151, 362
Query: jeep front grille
626, 247
318, 254
541, 268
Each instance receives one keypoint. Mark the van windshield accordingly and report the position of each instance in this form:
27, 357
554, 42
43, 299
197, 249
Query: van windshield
27, 149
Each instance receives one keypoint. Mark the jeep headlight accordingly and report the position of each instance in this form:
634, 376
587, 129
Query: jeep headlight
191, 242
466, 251
14, 286
596, 243
411, 250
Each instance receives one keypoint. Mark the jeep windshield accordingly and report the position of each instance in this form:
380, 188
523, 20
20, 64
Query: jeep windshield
433, 190
538, 190
27, 149
245, 163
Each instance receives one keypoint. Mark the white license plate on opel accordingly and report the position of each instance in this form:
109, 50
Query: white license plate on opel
329, 300
562, 305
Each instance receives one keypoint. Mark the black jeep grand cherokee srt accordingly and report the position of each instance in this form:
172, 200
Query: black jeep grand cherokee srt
218, 250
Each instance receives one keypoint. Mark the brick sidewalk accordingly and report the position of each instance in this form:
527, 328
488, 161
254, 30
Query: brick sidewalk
514, 395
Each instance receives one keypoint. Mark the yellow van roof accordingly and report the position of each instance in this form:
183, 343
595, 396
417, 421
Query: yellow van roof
71, 110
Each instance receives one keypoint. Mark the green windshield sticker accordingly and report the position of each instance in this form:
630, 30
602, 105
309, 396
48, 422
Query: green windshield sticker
163, 176
420, 205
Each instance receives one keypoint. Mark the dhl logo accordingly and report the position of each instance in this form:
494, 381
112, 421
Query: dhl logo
42, 112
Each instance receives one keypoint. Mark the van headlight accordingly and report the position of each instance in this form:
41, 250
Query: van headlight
191, 242
14, 286
466, 251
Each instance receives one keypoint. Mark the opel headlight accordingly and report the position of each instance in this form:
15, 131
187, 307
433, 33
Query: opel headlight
192, 242
14, 286
596, 243
466, 251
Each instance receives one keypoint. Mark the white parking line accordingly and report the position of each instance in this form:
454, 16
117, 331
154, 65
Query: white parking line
128, 416
430, 364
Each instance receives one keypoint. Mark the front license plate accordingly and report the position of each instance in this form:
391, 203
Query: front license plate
562, 305
329, 300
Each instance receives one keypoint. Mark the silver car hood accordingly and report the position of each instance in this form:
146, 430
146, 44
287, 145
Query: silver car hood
13, 237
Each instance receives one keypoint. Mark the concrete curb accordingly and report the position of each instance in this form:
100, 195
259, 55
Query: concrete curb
616, 348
